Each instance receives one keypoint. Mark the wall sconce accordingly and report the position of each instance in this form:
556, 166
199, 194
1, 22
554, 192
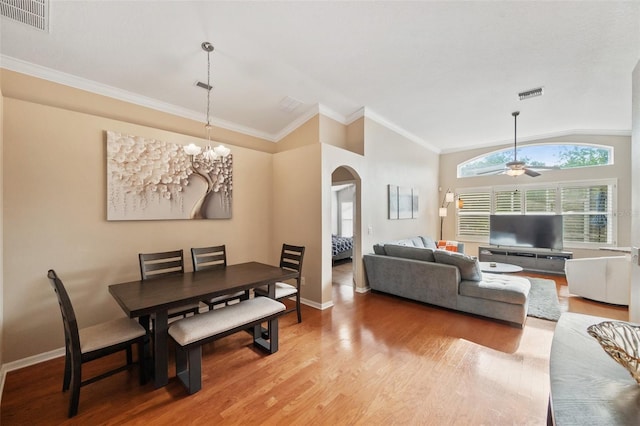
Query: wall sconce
449, 197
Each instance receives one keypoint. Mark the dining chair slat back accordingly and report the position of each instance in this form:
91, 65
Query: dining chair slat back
215, 257
204, 258
291, 258
120, 335
161, 264
153, 265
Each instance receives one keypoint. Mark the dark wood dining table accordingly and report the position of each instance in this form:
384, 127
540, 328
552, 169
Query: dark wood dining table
141, 299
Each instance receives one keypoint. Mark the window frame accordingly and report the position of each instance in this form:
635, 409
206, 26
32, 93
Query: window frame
612, 213
521, 154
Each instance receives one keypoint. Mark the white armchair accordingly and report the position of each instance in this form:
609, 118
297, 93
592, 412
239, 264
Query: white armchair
605, 279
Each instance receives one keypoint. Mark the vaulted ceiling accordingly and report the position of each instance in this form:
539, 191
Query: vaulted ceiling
445, 74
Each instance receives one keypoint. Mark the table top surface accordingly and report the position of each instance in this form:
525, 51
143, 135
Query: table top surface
499, 268
138, 298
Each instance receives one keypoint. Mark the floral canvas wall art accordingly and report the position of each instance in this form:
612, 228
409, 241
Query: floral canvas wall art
149, 179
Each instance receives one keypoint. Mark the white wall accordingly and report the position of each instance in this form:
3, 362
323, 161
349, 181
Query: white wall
634, 306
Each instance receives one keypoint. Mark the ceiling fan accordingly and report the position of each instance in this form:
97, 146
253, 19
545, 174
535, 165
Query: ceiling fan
514, 168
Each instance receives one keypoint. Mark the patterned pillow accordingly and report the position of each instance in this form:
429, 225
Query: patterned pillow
447, 245
468, 266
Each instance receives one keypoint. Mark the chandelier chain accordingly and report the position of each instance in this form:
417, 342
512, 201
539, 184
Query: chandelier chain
208, 126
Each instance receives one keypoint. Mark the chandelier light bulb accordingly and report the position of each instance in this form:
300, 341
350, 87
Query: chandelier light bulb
222, 150
192, 149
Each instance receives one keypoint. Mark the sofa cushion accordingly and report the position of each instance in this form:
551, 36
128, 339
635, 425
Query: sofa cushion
429, 243
415, 253
379, 249
499, 287
468, 266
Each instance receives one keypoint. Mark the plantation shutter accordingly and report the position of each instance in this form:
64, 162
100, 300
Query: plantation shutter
538, 201
473, 217
587, 213
508, 202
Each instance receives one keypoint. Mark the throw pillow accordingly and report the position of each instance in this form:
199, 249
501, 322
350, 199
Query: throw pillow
448, 245
429, 243
415, 253
468, 266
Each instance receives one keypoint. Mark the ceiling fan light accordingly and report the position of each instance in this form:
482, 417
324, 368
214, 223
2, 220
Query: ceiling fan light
515, 172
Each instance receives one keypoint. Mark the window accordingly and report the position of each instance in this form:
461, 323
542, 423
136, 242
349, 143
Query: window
473, 217
346, 219
587, 209
560, 156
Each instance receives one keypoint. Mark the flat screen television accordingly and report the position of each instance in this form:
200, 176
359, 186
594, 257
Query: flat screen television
535, 231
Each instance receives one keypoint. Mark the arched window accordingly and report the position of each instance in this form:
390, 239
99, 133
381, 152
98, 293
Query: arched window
542, 156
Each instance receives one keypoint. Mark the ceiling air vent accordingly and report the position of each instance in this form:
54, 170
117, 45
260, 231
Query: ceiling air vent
34, 13
530, 93
288, 104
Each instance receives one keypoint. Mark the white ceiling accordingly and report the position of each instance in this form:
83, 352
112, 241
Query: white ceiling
446, 74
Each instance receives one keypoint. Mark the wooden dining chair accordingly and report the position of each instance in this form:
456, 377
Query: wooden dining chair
215, 257
290, 258
90, 343
161, 264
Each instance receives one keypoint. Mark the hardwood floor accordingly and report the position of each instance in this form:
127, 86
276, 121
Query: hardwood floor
371, 359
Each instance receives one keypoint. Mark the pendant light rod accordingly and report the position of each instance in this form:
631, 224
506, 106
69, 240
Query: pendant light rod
515, 133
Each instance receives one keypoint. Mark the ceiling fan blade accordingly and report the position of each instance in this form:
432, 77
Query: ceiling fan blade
530, 172
545, 167
489, 170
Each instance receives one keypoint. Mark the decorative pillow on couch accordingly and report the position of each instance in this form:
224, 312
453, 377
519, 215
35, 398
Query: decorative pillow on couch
407, 252
447, 245
468, 266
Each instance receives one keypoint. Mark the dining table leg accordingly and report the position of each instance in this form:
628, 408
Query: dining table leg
161, 349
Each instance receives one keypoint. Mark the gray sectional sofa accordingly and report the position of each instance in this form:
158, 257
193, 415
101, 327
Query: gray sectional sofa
413, 268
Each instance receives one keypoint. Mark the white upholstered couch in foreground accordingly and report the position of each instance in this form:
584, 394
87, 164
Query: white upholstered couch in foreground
604, 279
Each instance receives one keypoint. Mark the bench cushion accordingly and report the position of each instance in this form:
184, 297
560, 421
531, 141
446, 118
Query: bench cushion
198, 327
502, 288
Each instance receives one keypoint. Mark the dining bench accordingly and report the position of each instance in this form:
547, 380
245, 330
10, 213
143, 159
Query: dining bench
192, 332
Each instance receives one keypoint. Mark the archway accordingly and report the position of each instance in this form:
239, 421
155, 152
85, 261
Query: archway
345, 226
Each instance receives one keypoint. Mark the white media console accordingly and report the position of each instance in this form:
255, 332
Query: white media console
530, 259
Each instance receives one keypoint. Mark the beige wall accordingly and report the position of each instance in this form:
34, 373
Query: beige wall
54, 212
55, 218
621, 171
21, 86
333, 133
297, 213
306, 134
355, 136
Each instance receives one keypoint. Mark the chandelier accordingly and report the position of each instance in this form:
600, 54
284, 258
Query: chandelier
213, 165
203, 162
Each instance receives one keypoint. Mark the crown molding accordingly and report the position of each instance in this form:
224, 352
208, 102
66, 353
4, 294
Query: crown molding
17, 65
76, 82
392, 126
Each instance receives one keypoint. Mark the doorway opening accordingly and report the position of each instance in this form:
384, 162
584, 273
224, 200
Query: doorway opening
344, 227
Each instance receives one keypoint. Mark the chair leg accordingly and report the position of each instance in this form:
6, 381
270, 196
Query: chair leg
298, 307
141, 360
67, 370
76, 379
129, 355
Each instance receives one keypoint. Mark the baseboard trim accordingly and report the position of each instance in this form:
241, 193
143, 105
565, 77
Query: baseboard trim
363, 289
27, 362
